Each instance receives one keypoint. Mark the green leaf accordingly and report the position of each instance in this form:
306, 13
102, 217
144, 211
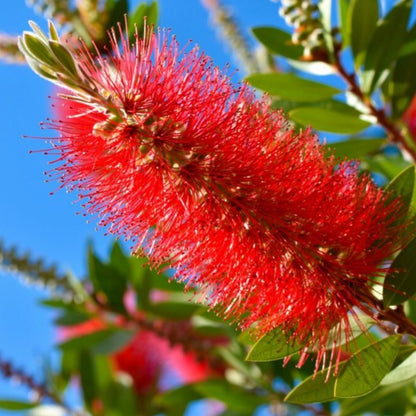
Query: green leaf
343, 10
384, 47
53, 33
38, 50
405, 371
108, 280
272, 346
87, 377
357, 376
236, 398
403, 82
174, 310
120, 400
389, 166
365, 370
38, 31
87, 341
291, 87
388, 400
63, 56
356, 148
114, 342
362, 21
334, 121
136, 19
180, 396
403, 185
316, 388
278, 42
16, 405
400, 282
72, 317
116, 9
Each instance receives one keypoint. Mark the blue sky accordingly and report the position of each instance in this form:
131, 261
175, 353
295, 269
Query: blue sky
46, 225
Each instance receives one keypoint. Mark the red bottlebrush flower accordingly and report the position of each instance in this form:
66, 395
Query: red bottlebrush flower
203, 175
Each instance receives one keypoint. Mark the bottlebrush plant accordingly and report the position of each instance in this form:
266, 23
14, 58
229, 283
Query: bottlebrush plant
277, 245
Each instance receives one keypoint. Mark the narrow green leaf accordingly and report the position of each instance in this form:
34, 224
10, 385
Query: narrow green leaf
119, 260
38, 31
120, 400
383, 47
72, 317
16, 405
400, 283
53, 33
365, 370
403, 81
389, 166
116, 9
41, 70
114, 342
236, 398
291, 87
174, 310
272, 346
356, 148
403, 185
38, 50
386, 400
64, 57
108, 280
405, 371
314, 389
278, 42
137, 18
88, 378
343, 11
333, 121
152, 13
362, 21
179, 396
87, 341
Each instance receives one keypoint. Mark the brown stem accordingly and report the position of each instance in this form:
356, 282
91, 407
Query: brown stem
394, 134
397, 316
8, 370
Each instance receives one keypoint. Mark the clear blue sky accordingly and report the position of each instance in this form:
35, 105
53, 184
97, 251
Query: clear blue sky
47, 225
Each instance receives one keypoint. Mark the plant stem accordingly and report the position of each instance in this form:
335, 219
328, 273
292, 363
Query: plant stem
10, 371
394, 134
397, 316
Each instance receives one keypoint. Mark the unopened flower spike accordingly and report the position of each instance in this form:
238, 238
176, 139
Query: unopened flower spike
202, 175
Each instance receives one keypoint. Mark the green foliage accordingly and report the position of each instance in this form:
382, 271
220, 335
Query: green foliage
272, 346
15, 405
277, 42
358, 376
362, 21
383, 48
330, 120
291, 87
143, 11
400, 282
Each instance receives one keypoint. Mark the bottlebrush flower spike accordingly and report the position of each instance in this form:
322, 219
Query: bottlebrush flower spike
199, 173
